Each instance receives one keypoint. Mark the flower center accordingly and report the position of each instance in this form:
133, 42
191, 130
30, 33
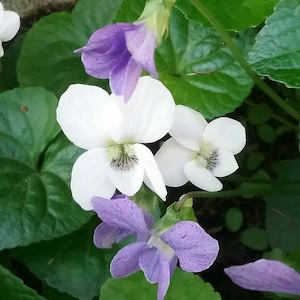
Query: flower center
207, 157
164, 248
122, 157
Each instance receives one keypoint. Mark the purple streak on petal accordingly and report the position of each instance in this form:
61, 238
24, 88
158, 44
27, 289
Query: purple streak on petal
106, 235
195, 249
126, 260
124, 77
120, 213
266, 275
141, 43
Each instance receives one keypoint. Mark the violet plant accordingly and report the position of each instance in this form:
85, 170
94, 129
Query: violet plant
177, 124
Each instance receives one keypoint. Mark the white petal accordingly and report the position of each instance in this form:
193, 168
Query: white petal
188, 127
152, 176
81, 113
226, 164
129, 181
201, 177
89, 178
9, 25
146, 117
226, 133
171, 159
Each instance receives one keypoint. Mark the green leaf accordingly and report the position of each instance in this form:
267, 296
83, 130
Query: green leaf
255, 238
233, 15
199, 70
47, 58
13, 288
35, 198
49, 46
282, 221
21, 110
9, 63
276, 53
254, 160
267, 133
259, 114
90, 15
233, 219
184, 286
130, 11
148, 201
283, 207
71, 264
51, 294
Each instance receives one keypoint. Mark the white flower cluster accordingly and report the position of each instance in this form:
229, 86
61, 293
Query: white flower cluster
114, 133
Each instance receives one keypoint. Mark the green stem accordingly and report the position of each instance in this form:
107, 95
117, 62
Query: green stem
275, 182
239, 57
244, 192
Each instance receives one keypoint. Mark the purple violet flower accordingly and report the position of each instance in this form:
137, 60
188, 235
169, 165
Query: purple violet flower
120, 52
266, 275
155, 254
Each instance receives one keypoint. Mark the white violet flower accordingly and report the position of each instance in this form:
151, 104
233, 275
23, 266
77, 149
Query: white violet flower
9, 26
199, 151
113, 132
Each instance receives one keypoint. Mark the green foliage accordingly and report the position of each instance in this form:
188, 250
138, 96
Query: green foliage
88, 16
184, 286
254, 160
255, 238
259, 114
267, 133
276, 52
148, 201
199, 70
13, 288
47, 58
71, 264
130, 10
50, 44
233, 15
9, 63
51, 235
283, 207
35, 199
233, 219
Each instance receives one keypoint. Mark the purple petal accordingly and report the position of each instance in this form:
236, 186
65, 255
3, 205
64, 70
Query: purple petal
121, 213
141, 43
166, 270
105, 49
157, 268
126, 260
124, 77
150, 264
195, 249
266, 275
106, 235
144, 236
